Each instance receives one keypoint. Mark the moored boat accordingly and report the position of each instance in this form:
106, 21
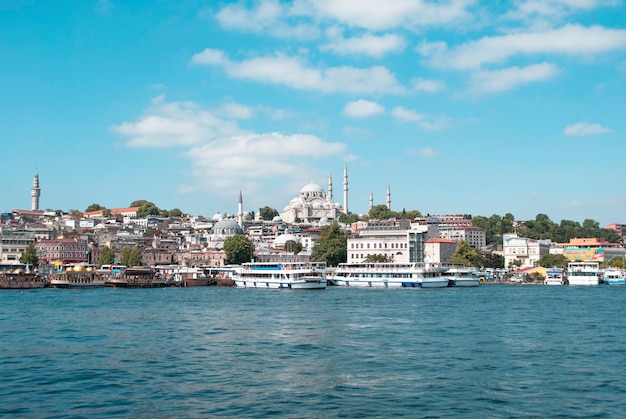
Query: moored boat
583, 273
461, 276
389, 275
554, 276
22, 279
289, 275
136, 277
77, 276
614, 277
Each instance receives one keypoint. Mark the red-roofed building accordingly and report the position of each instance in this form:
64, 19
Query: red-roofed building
439, 250
124, 212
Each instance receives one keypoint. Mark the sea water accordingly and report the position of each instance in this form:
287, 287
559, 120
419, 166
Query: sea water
490, 351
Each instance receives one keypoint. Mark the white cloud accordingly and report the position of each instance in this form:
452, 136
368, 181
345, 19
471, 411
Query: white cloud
267, 17
428, 86
293, 72
407, 115
370, 14
370, 45
362, 109
222, 156
544, 12
510, 78
425, 152
567, 40
583, 129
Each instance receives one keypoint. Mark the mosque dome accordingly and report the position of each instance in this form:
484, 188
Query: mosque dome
217, 217
311, 187
284, 238
277, 219
227, 227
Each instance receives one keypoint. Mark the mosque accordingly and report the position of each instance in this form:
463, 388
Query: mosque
313, 205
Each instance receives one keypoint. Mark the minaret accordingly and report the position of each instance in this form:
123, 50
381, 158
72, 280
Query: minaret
240, 211
35, 193
388, 197
330, 187
371, 199
345, 188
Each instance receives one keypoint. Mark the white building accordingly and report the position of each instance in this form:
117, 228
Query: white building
399, 243
439, 250
527, 251
312, 205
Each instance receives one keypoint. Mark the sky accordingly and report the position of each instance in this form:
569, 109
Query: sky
459, 106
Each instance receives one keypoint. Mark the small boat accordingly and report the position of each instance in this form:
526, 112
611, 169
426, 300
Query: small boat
462, 276
290, 275
22, 279
389, 275
583, 273
614, 277
77, 276
136, 277
554, 276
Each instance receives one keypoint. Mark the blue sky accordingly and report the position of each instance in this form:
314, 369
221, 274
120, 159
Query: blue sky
461, 106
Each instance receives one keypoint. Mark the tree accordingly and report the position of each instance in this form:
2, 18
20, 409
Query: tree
467, 255
381, 212
239, 249
331, 247
29, 257
553, 261
107, 256
267, 213
145, 208
76, 213
293, 247
348, 218
174, 213
379, 258
131, 256
94, 207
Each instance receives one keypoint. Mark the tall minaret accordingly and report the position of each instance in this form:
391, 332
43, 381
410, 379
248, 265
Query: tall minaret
240, 211
371, 199
330, 187
35, 193
388, 196
345, 188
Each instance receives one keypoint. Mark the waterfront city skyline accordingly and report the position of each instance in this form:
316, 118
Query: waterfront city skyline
461, 107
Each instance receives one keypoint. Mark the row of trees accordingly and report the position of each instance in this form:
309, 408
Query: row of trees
146, 208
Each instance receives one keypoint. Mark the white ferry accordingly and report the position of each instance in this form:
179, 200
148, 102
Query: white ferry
461, 276
583, 273
282, 275
554, 276
614, 276
389, 275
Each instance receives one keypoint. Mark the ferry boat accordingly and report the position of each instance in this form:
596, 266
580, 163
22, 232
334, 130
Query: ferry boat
389, 275
77, 276
461, 276
554, 276
583, 273
22, 279
288, 275
614, 277
136, 277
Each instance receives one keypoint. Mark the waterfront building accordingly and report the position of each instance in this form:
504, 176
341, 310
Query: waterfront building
527, 251
62, 251
439, 250
396, 240
13, 243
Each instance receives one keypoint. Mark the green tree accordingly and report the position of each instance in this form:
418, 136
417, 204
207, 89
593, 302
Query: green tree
553, 261
293, 247
467, 255
145, 208
107, 256
381, 212
239, 249
131, 256
106, 212
174, 213
94, 207
29, 257
379, 258
411, 215
267, 213
331, 247
76, 213
348, 218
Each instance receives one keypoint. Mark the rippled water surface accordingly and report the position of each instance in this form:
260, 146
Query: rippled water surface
491, 351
